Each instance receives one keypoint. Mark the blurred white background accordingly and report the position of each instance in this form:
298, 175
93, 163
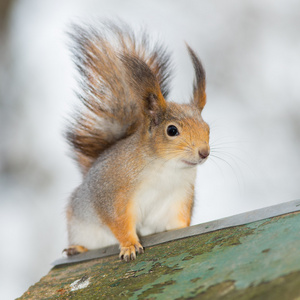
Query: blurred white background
251, 52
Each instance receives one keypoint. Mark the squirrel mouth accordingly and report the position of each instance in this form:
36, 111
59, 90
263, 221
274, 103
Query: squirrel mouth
189, 163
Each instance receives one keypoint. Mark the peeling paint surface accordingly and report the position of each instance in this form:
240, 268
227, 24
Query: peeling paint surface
260, 259
81, 283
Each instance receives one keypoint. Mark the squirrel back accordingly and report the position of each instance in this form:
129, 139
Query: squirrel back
114, 65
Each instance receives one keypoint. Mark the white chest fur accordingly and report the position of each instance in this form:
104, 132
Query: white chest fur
158, 200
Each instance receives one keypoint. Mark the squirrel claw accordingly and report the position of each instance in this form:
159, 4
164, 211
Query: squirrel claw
129, 253
140, 249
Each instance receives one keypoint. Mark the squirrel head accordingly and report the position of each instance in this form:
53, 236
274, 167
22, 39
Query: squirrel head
174, 131
182, 136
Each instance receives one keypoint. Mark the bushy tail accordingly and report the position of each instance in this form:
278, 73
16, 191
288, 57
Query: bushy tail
110, 111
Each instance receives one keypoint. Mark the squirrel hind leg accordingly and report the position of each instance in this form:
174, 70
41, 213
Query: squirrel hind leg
74, 250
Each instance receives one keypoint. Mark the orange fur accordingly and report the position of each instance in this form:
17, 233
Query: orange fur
123, 227
185, 212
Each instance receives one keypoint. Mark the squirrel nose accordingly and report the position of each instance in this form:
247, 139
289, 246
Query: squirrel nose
204, 152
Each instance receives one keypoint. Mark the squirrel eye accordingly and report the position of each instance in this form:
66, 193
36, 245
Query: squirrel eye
172, 130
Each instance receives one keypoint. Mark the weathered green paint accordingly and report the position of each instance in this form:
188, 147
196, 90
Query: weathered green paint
260, 260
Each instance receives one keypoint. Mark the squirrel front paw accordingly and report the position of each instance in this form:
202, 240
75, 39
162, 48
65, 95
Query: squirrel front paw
74, 249
129, 253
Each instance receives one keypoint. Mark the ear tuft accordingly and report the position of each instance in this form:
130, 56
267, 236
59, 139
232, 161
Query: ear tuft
199, 95
145, 87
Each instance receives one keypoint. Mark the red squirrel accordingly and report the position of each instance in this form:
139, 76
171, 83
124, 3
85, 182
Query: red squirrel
138, 152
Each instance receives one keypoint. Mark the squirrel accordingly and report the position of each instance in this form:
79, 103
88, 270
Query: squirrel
137, 151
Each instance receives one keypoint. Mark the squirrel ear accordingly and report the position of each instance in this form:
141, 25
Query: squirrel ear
144, 86
199, 95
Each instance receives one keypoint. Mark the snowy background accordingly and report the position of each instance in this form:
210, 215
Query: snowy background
251, 52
